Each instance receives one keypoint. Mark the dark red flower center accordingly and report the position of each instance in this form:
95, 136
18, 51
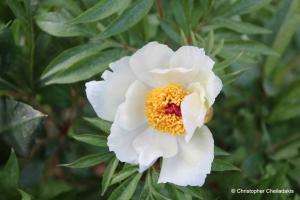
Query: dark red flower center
173, 109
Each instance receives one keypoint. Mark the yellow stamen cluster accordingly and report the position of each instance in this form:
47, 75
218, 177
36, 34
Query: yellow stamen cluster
157, 101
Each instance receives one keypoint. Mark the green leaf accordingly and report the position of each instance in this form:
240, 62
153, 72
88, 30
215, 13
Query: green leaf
132, 15
110, 170
193, 191
248, 46
86, 67
154, 180
101, 10
277, 182
282, 112
184, 41
181, 12
70, 56
159, 196
96, 140
100, 123
18, 124
54, 24
145, 193
172, 31
240, 27
17, 8
243, 7
226, 63
210, 42
220, 165
123, 174
228, 78
126, 189
179, 195
89, 160
220, 152
218, 49
24, 195
9, 177
284, 33
194, 41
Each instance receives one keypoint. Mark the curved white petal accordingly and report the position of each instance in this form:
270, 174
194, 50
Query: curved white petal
217, 86
152, 144
177, 75
193, 109
106, 96
121, 142
207, 80
132, 111
188, 57
192, 162
142, 168
151, 56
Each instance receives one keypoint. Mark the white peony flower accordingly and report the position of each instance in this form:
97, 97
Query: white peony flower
158, 100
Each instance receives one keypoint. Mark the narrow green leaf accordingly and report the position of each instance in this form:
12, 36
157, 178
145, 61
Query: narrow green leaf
123, 174
86, 67
101, 10
132, 15
228, 78
70, 56
240, 27
184, 41
172, 31
193, 191
220, 165
194, 41
89, 160
96, 140
218, 48
220, 152
226, 63
24, 195
100, 123
210, 42
284, 34
248, 46
17, 8
159, 196
154, 180
9, 177
243, 7
110, 170
54, 24
181, 12
179, 195
145, 193
18, 124
126, 189
276, 183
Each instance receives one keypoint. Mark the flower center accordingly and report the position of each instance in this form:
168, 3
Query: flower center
163, 109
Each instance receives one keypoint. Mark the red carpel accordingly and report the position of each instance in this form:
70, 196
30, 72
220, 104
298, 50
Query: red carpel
173, 109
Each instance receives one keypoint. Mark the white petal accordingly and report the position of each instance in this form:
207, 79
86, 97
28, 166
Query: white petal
177, 75
188, 57
207, 80
106, 96
151, 56
217, 86
121, 142
132, 111
193, 161
152, 144
142, 168
193, 109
